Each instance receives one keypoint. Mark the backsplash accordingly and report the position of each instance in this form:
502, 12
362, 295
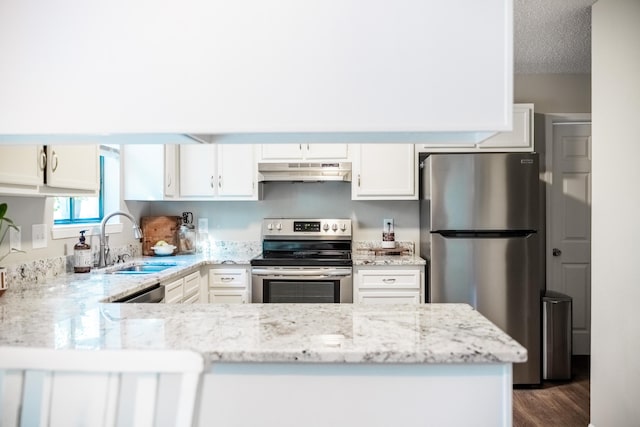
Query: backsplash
33, 273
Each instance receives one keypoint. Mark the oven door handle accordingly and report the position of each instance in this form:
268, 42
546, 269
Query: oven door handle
305, 273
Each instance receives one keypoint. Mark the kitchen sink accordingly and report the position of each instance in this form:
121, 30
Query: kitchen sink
144, 268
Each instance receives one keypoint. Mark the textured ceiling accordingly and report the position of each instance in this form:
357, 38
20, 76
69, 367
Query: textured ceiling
552, 36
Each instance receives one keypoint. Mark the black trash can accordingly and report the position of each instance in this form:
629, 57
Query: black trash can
556, 336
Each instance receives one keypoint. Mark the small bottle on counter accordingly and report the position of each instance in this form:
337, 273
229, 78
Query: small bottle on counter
82, 256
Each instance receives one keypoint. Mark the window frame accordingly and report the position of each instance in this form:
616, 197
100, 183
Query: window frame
70, 200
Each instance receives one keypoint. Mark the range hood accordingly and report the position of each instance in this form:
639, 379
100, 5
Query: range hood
304, 172
256, 71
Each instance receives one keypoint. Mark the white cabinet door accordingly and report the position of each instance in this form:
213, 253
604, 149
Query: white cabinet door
237, 175
520, 138
281, 151
197, 170
384, 172
149, 171
326, 151
288, 152
73, 167
21, 168
170, 172
389, 285
142, 171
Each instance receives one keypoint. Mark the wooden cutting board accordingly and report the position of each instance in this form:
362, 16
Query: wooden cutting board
155, 228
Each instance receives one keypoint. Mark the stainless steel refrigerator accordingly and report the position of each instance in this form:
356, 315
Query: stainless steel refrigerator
481, 231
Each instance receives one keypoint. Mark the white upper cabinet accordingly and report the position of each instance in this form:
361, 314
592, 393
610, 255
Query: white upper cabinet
355, 69
198, 170
384, 172
517, 140
75, 167
237, 172
218, 172
149, 171
310, 152
55, 170
21, 168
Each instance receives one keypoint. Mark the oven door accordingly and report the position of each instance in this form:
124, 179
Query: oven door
301, 285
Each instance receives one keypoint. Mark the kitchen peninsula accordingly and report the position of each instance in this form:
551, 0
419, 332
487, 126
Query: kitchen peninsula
287, 364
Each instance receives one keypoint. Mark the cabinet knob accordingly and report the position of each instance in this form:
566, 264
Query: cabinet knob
556, 252
389, 280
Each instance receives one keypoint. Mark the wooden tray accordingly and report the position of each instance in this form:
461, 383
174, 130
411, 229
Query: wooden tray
391, 251
155, 228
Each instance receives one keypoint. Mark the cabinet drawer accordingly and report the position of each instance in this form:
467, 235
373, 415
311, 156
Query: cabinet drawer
384, 297
173, 292
396, 279
228, 278
195, 298
191, 284
221, 296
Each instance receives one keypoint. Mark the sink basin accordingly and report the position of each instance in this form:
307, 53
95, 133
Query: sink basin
145, 268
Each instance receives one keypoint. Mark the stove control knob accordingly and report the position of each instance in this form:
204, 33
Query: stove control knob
279, 226
334, 227
325, 227
269, 226
343, 227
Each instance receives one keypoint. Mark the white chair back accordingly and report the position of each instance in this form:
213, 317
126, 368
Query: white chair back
46, 387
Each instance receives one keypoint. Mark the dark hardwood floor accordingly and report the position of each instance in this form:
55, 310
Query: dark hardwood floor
555, 403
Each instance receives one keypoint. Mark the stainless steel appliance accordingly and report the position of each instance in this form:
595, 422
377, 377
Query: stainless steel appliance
152, 294
481, 231
303, 261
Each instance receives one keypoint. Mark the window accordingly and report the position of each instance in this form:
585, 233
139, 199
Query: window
80, 209
70, 214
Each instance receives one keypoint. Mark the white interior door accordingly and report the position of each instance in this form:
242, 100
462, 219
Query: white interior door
569, 243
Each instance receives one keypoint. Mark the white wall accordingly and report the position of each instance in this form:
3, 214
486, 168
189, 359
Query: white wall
554, 93
241, 220
615, 350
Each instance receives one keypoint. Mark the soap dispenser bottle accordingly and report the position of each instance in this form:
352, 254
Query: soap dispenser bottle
82, 257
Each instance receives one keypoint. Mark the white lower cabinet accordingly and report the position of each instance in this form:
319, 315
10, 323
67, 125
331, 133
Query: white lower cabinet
183, 290
229, 285
389, 285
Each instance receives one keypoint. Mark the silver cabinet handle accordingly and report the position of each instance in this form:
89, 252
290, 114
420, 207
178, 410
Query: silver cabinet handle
168, 180
54, 160
219, 181
392, 280
358, 180
212, 181
226, 279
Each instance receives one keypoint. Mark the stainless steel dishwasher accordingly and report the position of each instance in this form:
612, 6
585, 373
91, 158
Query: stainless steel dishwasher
152, 294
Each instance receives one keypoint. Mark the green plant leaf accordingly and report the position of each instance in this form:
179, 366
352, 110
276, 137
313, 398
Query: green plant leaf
3, 211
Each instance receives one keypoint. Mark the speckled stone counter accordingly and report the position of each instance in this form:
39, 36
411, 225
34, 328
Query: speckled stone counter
70, 312
364, 253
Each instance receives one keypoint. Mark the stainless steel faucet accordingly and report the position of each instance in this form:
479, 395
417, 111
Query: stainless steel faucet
104, 248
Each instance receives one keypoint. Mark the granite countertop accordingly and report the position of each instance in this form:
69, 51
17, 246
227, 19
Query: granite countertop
69, 312
388, 260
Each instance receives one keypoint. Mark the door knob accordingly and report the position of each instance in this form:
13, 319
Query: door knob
557, 252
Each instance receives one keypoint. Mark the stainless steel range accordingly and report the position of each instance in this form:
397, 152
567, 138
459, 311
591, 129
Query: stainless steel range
303, 261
